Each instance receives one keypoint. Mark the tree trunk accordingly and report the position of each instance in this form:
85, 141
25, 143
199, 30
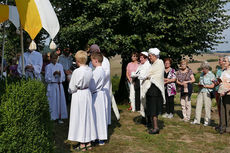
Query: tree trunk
122, 94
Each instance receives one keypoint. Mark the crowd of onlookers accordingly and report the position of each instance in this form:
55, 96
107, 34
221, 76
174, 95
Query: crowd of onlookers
210, 86
153, 84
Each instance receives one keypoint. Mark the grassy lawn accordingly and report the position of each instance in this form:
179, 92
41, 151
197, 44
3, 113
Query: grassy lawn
129, 136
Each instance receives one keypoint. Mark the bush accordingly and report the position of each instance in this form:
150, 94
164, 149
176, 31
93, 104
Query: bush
25, 124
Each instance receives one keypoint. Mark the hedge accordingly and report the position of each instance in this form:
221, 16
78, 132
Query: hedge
25, 125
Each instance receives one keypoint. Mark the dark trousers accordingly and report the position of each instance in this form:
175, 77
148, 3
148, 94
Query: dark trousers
67, 95
137, 94
169, 103
225, 113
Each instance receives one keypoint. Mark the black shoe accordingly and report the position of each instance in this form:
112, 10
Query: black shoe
143, 121
154, 131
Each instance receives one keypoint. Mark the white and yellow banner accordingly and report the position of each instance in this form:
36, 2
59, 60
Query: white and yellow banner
33, 14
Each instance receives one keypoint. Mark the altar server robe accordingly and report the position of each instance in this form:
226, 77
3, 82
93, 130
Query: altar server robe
82, 125
35, 59
106, 67
99, 101
55, 91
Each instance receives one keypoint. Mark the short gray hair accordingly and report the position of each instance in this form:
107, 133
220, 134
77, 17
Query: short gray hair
205, 65
228, 57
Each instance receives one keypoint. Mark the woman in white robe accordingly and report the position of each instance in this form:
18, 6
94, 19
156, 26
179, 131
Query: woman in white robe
82, 124
99, 98
54, 76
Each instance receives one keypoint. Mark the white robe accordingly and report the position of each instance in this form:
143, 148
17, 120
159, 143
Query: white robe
99, 101
82, 125
55, 91
106, 67
156, 75
35, 59
142, 72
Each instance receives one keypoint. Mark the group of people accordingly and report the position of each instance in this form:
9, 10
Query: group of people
152, 85
89, 85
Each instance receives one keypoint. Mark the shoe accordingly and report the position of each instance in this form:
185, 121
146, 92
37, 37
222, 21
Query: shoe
154, 131
101, 143
170, 115
195, 122
60, 122
165, 115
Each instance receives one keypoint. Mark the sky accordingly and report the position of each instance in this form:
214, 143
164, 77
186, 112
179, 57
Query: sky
225, 46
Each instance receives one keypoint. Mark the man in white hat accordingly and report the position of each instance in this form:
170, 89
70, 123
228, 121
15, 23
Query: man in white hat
153, 89
32, 63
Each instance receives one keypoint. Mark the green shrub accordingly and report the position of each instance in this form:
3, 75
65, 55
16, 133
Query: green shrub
25, 125
3, 83
212, 60
115, 83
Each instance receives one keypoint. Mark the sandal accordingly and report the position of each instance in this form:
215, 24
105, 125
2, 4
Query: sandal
80, 148
88, 146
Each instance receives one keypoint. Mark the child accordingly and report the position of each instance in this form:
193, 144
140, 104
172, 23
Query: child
82, 125
54, 76
99, 97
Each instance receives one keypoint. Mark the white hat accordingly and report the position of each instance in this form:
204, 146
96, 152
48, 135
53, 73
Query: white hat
145, 53
154, 51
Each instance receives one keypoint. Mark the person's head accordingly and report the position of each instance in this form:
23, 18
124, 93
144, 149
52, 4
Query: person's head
205, 67
58, 51
168, 62
183, 64
81, 57
14, 61
154, 54
221, 59
96, 59
134, 57
94, 48
143, 57
226, 62
53, 57
66, 52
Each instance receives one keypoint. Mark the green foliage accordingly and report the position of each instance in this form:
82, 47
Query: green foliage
212, 60
176, 27
25, 124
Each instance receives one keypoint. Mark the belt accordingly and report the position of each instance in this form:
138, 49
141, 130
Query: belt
56, 82
82, 88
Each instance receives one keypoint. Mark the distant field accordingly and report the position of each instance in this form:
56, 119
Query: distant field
116, 62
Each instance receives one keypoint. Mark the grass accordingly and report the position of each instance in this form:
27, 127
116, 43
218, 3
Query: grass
129, 136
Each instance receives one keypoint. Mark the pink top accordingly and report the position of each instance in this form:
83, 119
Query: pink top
131, 67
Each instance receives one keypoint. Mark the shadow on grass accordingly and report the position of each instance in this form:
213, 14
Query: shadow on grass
115, 124
140, 120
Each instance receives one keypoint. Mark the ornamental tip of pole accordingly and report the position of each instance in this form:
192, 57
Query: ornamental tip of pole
53, 46
33, 46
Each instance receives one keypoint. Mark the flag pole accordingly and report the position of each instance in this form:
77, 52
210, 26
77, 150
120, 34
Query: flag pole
3, 46
22, 50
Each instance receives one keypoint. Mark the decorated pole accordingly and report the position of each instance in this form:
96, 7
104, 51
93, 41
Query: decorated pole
22, 50
3, 46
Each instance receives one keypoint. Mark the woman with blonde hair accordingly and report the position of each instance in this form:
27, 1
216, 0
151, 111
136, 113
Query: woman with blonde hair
185, 78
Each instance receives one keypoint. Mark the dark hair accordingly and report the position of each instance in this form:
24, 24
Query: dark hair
136, 54
168, 59
143, 55
53, 55
98, 56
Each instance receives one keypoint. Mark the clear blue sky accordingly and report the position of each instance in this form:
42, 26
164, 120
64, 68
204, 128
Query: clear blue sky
226, 34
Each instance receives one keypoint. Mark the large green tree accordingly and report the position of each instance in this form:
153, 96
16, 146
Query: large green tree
176, 27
